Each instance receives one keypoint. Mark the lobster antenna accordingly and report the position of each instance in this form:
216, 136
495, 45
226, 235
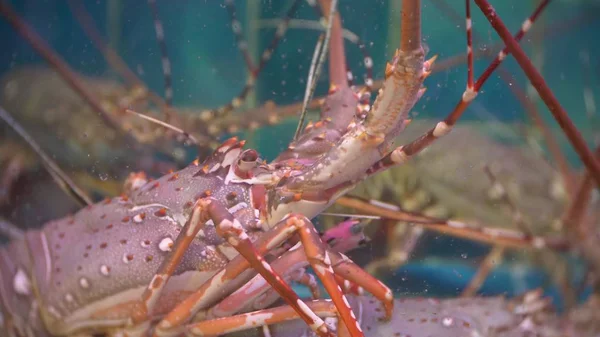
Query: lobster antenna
242, 44
110, 55
519, 93
588, 94
62, 68
59, 176
166, 63
210, 114
186, 135
312, 80
496, 255
355, 216
309, 84
350, 36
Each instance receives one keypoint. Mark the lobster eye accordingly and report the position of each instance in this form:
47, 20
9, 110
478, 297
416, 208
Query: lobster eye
247, 160
248, 156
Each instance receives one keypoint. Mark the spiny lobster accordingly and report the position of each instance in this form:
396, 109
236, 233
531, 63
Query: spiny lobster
224, 205
269, 203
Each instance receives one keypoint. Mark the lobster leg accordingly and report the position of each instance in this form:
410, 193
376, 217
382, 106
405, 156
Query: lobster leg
140, 317
508, 238
318, 256
210, 291
291, 263
398, 253
402, 153
323, 308
231, 229
291, 266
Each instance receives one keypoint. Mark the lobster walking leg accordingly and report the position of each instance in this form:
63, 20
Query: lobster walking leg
210, 291
205, 210
323, 308
291, 263
318, 257
231, 229
141, 314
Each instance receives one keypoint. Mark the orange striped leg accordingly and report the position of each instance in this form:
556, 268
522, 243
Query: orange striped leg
256, 319
316, 253
496, 236
344, 267
212, 290
349, 287
291, 264
228, 227
257, 292
142, 312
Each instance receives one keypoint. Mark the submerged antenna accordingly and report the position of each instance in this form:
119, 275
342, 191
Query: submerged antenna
165, 125
162, 45
312, 80
59, 176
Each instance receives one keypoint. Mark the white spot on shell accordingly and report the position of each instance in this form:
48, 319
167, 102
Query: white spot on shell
83, 282
165, 244
21, 283
138, 218
69, 298
447, 321
104, 270
145, 243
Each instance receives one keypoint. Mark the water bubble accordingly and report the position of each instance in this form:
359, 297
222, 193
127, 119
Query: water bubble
464, 255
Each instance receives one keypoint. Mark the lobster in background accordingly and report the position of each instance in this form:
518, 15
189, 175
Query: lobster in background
231, 205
